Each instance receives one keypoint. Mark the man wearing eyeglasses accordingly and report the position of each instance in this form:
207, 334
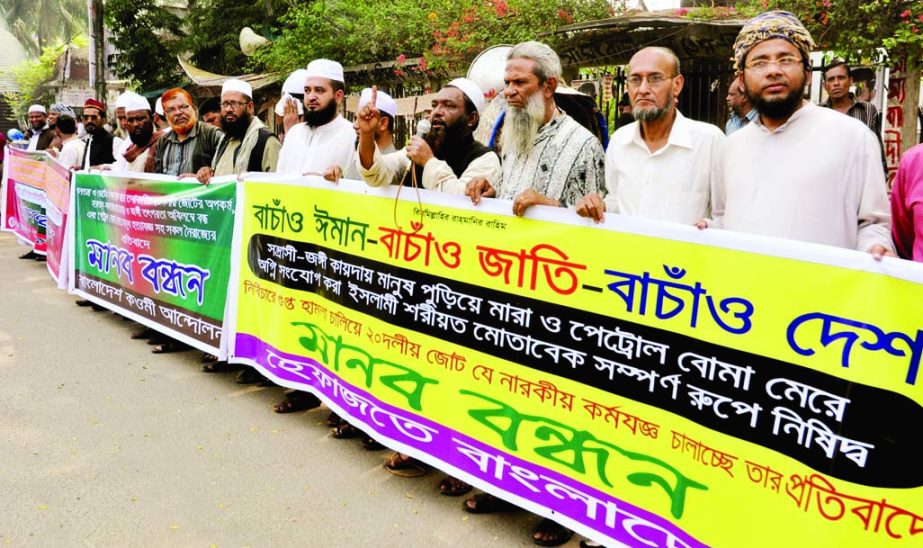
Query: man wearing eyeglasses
99, 140
191, 144
798, 171
247, 144
662, 165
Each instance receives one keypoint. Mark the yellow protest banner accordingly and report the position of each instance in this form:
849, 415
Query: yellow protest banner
648, 385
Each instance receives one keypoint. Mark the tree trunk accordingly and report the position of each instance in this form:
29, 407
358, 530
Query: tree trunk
97, 48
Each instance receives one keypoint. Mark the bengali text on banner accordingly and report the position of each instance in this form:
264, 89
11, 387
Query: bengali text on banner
24, 200
639, 388
156, 250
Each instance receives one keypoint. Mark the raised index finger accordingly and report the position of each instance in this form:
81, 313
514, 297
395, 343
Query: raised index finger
373, 100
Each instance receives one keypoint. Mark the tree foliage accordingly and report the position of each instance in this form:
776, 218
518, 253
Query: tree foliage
856, 29
32, 74
148, 38
38, 24
213, 30
444, 33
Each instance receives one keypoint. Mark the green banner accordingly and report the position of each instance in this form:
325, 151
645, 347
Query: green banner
156, 250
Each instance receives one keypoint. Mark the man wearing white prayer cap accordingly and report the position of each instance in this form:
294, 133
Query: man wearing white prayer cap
247, 144
290, 106
139, 149
324, 144
384, 138
39, 134
446, 158
160, 119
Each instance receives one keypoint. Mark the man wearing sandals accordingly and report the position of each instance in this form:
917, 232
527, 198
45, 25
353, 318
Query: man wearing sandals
548, 159
324, 144
446, 158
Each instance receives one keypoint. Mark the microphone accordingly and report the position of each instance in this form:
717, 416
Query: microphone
423, 127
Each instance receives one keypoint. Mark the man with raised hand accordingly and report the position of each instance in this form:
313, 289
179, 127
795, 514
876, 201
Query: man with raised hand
325, 143
447, 158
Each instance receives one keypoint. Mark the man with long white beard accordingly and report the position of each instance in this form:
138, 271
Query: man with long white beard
548, 158
191, 144
247, 144
325, 143
137, 152
663, 165
444, 159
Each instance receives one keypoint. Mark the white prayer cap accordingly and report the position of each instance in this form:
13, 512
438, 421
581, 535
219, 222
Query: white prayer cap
158, 107
294, 84
239, 86
280, 106
133, 102
122, 99
37, 108
471, 90
325, 68
384, 102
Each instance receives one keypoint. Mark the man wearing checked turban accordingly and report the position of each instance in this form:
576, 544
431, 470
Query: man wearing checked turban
798, 171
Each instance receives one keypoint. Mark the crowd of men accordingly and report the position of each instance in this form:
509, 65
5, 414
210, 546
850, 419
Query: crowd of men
782, 167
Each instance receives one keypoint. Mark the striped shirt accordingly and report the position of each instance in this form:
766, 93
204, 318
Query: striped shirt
566, 162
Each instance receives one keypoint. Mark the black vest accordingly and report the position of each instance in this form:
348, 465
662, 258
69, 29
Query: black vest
459, 158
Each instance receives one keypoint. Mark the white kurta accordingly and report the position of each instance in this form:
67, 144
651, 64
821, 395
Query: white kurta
817, 178
313, 150
72, 152
122, 164
672, 184
389, 169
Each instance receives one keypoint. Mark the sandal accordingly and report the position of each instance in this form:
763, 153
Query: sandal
484, 503
589, 544
297, 401
208, 358
249, 375
346, 431
143, 333
454, 487
169, 346
334, 420
550, 533
369, 444
407, 467
222, 367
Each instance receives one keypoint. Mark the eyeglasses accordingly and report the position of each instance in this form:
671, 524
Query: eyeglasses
653, 80
784, 63
178, 108
233, 104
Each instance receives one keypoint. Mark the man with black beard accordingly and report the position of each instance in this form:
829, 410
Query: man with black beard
325, 143
799, 171
662, 166
99, 141
39, 135
548, 157
138, 151
247, 144
447, 158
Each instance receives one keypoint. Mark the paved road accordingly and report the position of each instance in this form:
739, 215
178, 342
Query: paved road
104, 444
